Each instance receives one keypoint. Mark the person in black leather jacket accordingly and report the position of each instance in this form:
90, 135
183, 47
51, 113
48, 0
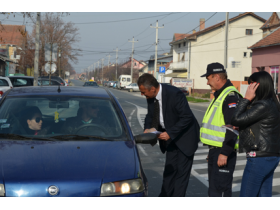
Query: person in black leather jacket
258, 117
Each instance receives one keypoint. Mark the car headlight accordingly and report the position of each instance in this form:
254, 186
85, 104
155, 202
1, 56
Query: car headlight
122, 187
2, 190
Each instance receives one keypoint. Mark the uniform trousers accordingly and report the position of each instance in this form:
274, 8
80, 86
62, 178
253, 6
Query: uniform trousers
176, 172
220, 178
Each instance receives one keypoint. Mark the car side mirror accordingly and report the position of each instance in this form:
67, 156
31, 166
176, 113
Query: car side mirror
146, 138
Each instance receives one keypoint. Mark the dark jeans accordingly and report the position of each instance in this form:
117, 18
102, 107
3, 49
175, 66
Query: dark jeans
220, 178
257, 177
176, 172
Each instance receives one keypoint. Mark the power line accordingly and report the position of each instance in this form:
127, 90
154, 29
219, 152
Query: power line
113, 21
178, 18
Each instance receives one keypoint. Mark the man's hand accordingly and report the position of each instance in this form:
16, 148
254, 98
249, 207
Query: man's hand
222, 160
164, 136
146, 131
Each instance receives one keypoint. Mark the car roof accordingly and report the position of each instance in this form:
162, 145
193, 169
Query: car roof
53, 91
21, 77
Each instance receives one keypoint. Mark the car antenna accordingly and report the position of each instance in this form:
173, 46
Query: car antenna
58, 90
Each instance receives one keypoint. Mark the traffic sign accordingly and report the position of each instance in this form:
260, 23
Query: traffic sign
48, 68
162, 69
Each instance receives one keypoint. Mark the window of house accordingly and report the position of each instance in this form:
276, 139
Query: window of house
184, 44
235, 64
245, 54
246, 79
135, 64
249, 31
179, 45
251, 54
178, 57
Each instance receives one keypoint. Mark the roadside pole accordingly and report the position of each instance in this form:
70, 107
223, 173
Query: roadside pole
131, 69
226, 41
117, 62
36, 59
102, 68
59, 55
50, 75
155, 68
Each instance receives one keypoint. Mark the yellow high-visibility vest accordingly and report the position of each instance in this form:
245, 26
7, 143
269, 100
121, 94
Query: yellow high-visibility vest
211, 132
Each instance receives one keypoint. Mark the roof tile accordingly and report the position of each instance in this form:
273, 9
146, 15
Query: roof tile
272, 39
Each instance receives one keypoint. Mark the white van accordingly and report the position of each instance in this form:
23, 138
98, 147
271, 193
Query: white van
123, 81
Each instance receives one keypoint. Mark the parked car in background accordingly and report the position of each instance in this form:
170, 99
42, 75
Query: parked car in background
132, 87
111, 83
115, 85
5, 84
90, 84
46, 82
105, 83
21, 81
186, 92
124, 80
61, 81
66, 156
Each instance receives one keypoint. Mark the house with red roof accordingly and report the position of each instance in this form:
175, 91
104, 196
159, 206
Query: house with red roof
12, 42
192, 52
266, 52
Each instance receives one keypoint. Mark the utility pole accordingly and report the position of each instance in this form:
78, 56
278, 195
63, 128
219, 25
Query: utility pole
59, 57
36, 59
156, 46
131, 71
50, 67
226, 41
102, 60
98, 70
117, 62
108, 60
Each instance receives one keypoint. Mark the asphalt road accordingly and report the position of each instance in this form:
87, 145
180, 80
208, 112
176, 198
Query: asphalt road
135, 108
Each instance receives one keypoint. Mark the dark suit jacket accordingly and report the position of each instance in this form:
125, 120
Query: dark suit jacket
179, 121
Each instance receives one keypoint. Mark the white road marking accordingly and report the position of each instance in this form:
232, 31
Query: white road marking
142, 150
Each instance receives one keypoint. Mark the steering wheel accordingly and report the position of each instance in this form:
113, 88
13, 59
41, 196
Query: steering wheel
95, 126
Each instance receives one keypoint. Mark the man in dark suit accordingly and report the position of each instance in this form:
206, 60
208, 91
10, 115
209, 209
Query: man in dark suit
169, 112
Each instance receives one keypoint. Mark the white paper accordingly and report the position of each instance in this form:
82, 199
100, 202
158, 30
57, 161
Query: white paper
230, 127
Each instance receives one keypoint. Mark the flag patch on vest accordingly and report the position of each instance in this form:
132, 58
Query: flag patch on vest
232, 105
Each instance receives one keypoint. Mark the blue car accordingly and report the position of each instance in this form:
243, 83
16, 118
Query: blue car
68, 141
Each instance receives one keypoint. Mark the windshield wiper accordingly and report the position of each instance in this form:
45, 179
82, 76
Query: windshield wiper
19, 137
78, 137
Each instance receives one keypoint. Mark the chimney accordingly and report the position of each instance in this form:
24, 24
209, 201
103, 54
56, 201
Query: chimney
201, 24
193, 31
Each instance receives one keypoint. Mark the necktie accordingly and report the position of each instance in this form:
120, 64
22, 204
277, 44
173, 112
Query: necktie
155, 122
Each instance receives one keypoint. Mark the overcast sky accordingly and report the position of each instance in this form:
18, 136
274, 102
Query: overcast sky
103, 32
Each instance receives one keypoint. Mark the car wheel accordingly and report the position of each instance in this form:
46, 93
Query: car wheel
131, 90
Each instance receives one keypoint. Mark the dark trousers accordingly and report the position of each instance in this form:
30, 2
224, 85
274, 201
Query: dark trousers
176, 172
220, 178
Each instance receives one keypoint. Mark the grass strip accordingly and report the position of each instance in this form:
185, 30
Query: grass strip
196, 100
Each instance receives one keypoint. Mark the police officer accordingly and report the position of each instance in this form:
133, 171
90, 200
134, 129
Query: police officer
222, 142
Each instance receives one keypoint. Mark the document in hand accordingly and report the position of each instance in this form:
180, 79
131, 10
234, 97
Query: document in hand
230, 127
156, 132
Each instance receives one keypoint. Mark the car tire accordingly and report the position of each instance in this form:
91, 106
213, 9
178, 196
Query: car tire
130, 90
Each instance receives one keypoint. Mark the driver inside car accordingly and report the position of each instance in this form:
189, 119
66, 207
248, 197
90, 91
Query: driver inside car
88, 114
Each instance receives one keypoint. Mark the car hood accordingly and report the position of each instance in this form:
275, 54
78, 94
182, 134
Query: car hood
77, 168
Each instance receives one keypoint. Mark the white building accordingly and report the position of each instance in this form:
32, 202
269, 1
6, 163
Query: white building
193, 52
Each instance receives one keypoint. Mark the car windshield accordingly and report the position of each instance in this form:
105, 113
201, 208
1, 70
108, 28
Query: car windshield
60, 118
91, 84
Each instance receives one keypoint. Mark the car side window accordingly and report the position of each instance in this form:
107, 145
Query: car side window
20, 82
3, 82
123, 79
